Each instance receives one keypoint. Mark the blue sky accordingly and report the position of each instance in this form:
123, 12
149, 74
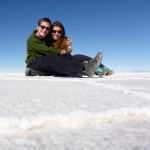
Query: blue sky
118, 28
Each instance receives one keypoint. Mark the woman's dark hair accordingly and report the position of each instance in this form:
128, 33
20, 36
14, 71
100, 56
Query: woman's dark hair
58, 24
61, 43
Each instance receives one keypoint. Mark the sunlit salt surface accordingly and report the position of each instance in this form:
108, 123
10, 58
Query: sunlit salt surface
75, 113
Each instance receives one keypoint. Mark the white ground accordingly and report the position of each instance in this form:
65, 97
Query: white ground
54, 113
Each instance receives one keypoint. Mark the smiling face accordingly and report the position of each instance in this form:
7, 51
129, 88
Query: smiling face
56, 33
43, 29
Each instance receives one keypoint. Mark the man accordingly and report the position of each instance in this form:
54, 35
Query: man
43, 60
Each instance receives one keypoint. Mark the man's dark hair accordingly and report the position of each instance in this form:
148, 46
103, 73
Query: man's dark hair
44, 20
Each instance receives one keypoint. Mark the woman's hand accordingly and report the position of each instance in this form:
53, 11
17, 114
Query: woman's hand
27, 54
69, 42
69, 48
69, 45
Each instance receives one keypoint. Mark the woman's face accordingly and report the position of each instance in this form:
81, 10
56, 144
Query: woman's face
56, 33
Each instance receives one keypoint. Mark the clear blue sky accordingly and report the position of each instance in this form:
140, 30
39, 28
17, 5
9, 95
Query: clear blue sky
118, 28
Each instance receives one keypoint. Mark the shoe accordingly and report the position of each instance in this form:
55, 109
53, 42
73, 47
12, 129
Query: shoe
108, 72
104, 71
31, 72
92, 65
99, 71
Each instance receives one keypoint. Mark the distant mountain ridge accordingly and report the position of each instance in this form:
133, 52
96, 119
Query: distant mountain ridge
140, 71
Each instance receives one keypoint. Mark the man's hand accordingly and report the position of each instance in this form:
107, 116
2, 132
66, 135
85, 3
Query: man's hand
63, 52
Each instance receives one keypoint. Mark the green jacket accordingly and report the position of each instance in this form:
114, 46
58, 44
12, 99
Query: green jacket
37, 47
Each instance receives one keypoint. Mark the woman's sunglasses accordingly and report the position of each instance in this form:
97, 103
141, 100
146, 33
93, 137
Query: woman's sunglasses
43, 27
58, 31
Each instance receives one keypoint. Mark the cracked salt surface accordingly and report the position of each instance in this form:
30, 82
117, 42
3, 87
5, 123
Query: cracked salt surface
75, 113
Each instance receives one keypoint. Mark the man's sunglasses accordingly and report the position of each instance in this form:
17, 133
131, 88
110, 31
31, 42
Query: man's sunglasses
43, 27
58, 31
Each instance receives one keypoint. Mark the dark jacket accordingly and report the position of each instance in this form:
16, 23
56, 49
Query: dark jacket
38, 47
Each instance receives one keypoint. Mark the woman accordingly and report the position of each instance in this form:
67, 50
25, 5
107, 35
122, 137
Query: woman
59, 41
58, 36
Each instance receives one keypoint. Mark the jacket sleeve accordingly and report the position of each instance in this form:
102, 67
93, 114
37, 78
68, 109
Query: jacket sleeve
41, 48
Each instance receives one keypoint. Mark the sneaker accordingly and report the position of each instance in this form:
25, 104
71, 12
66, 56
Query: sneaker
104, 71
99, 71
31, 72
92, 65
108, 72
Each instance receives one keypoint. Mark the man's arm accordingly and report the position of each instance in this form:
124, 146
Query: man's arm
41, 48
37, 46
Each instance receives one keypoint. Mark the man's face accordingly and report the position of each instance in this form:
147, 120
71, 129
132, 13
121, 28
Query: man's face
43, 29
